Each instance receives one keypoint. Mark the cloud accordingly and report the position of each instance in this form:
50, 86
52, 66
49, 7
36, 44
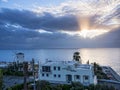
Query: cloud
4, 0
113, 16
26, 39
22, 38
29, 19
43, 27
110, 39
68, 16
104, 11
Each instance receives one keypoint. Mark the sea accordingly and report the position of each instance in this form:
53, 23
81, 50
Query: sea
102, 56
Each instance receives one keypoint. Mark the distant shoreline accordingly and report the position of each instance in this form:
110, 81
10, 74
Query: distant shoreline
62, 48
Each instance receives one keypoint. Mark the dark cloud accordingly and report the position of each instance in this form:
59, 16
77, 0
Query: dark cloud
15, 38
110, 39
30, 39
31, 20
47, 21
68, 22
19, 30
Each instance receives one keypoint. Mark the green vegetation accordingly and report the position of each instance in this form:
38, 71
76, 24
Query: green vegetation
44, 85
13, 70
13, 73
1, 79
16, 87
98, 72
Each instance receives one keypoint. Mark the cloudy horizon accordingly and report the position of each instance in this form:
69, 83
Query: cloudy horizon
34, 24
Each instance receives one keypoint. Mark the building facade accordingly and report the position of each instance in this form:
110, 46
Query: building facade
66, 72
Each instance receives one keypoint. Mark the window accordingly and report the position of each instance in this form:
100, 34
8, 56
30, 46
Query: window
54, 68
58, 68
43, 74
86, 77
54, 75
46, 69
59, 75
77, 77
47, 75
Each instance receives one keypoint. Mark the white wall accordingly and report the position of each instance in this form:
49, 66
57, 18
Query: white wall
63, 72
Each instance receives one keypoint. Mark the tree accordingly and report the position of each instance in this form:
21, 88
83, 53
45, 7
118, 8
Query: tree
42, 85
98, 72
77, 57
112, 88
16, 87
1, 79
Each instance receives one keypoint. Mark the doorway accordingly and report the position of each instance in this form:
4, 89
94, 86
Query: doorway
68, 78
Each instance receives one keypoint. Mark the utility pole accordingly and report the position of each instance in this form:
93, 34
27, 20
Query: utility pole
25, 72
38, 76
33, 68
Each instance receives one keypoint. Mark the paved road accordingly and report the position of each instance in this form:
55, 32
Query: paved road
11, 81
116, 84
111, 73
116, 76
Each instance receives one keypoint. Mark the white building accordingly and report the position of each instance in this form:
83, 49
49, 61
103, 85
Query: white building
67, 72
20, 57
20, 60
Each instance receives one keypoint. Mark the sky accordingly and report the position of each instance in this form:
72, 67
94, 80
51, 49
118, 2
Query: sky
35, 24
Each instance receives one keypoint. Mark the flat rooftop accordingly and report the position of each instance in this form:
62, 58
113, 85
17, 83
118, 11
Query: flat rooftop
68, 63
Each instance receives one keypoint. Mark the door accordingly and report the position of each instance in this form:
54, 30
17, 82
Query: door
68, 78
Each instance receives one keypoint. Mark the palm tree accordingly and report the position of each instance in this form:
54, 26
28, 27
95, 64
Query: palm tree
77, 57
